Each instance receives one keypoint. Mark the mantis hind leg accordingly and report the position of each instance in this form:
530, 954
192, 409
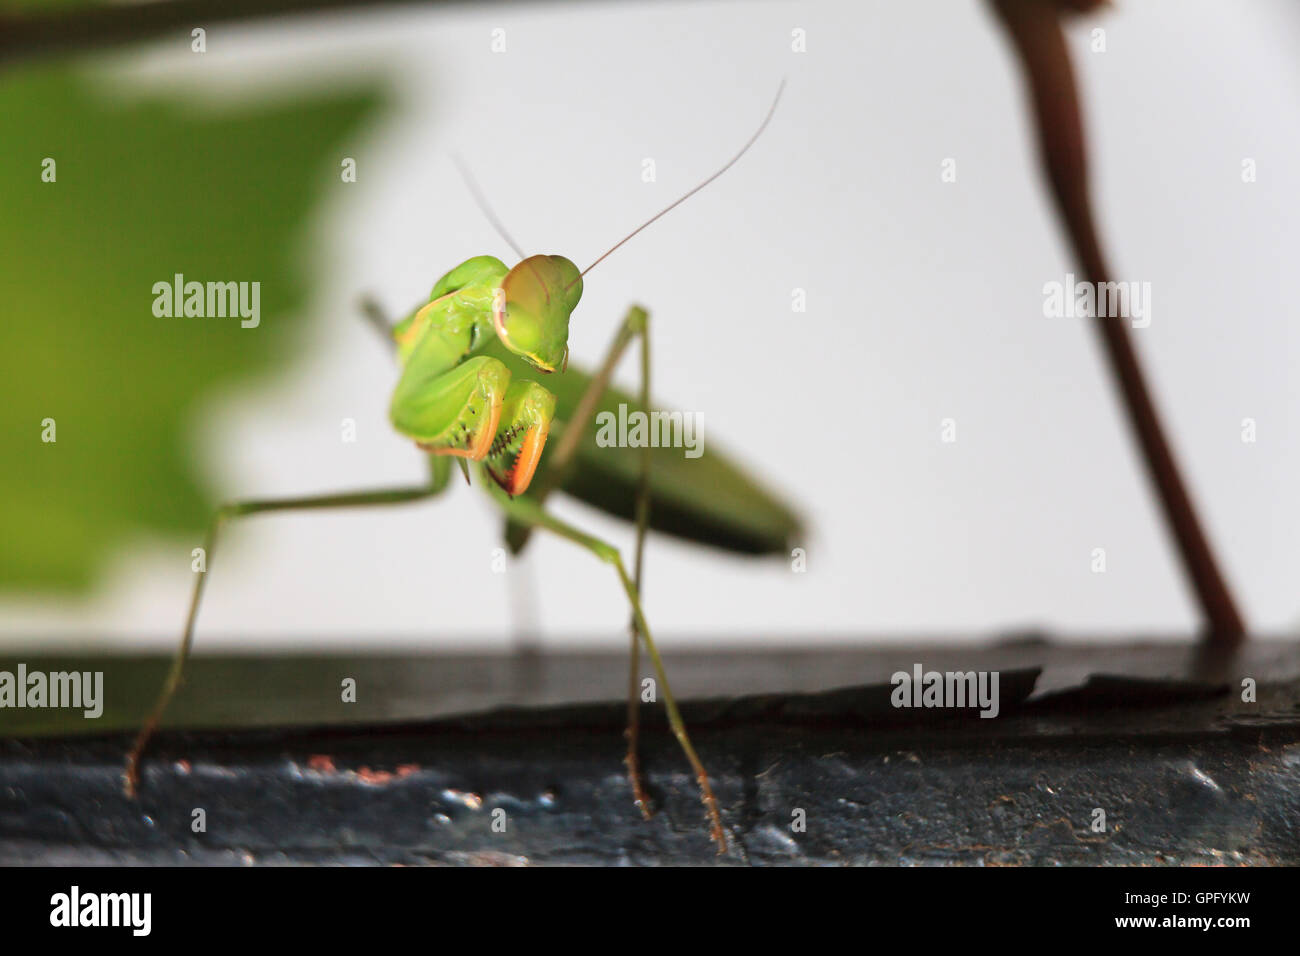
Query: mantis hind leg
240, 509
529, 513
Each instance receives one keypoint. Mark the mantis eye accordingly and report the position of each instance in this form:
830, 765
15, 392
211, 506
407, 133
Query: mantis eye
518, 330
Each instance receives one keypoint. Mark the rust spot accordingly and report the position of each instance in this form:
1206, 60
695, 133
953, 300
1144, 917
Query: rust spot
375, 777
323, 763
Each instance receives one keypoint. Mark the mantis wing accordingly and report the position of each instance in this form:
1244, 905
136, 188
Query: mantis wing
708, 499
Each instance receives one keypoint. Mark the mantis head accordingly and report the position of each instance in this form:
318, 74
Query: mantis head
531, 310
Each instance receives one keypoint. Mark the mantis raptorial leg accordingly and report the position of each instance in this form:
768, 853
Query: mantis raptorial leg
240, 509
530, 513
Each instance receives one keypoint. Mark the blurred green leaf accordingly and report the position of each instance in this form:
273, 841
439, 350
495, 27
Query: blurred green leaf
145, 189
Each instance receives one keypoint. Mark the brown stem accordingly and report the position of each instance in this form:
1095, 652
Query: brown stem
1035, 30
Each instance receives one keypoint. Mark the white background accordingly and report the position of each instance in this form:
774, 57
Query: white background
924, 303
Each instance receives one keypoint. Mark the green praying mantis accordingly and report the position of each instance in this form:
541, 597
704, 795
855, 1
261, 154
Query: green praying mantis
466, 391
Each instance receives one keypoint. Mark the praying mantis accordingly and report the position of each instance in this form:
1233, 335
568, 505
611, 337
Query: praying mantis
467, 391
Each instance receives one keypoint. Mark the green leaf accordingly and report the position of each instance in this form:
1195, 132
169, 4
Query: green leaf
144, 189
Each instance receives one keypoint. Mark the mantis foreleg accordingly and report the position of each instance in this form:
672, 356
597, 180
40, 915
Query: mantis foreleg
241, 509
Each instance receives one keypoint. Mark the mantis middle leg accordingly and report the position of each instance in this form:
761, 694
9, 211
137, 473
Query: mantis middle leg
530, 513
240, 509
635, 324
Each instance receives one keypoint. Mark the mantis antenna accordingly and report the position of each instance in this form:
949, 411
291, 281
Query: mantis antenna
491, 217
667, 209
483, 206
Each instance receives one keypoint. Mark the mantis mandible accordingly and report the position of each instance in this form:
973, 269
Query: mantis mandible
458, 398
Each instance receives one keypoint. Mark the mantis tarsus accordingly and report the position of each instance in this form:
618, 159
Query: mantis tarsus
456, 399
